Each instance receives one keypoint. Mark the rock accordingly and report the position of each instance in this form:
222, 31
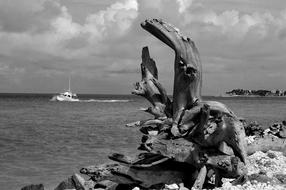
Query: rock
271, 155
250, 139
33, 187
282, 132
151, 130
254, 178
106, 184
268, 142
275, 128
262, 172
182, 187
281, 178
89, 184
261, 165
79, 182
171, 187
67, 184
133, 124
73, 182
254, 129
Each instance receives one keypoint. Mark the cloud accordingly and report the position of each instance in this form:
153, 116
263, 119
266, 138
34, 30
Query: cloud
184, 5
47, 37
114, 21
27, 16
235, 25
65, 38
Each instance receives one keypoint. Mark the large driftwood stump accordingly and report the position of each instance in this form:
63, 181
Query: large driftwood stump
203, 135
206, 124
187, 101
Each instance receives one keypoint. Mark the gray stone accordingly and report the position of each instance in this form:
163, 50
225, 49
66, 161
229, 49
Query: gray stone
33, 187
73, 182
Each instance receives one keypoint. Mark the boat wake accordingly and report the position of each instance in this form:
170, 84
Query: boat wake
93, 100
103, 101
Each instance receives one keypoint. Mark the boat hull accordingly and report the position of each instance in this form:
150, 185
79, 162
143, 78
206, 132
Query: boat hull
61, 98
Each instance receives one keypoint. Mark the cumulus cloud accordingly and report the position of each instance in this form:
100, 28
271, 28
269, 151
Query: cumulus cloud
114, 21
62, 32
236, 25
54, 44
44, 37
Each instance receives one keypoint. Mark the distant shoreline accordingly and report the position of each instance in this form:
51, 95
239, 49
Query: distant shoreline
251, 96
256, 93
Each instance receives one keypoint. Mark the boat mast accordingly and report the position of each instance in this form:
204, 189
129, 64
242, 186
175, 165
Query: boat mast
69, 83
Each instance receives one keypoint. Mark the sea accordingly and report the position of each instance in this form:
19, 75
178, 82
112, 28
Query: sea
42, 141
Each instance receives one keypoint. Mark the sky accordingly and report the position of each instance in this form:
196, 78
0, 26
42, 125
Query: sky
242, 44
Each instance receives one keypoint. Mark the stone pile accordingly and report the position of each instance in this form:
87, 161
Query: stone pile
255, 129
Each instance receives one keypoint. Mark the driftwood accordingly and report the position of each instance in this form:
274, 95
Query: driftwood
187, 103
145, 177
150, 88
207, 124
182, 150
202, 136
187, 66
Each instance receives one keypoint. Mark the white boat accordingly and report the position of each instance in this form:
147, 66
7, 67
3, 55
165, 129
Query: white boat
66, 96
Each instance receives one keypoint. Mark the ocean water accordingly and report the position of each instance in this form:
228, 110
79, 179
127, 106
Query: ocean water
45, 142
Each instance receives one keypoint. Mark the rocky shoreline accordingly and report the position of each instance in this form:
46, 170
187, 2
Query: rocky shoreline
266, 169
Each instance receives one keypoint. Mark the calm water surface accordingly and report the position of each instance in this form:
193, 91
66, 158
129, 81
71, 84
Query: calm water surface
45, 142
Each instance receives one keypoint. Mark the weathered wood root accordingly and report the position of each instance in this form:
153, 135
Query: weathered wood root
188, 69
164, 173
183, 150
151, 89
212, 125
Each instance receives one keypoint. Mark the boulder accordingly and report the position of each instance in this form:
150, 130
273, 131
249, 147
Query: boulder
278, 129
253, 129
33, 187
74, 182
282, 132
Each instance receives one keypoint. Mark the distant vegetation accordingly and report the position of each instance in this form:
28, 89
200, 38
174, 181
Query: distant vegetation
242, 92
